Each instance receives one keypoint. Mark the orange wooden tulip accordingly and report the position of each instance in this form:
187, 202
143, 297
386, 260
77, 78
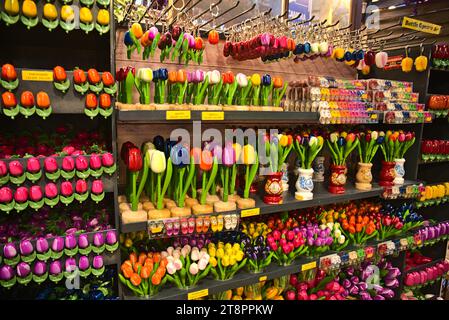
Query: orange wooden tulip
105, 101
181, 76
91, 101
9, 100
278, 82
59, 74
42, 100
27, 99
172, 75
136, 280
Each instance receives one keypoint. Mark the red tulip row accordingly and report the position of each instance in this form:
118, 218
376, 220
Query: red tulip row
35, 198
80, 166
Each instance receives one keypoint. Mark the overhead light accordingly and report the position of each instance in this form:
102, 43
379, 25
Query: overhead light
374, 1
391, 7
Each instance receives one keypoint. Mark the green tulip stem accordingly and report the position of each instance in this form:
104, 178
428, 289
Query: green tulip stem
143, 179
233, 178
134, 199
226, 184
250, 174
255, 94
188, 182
210, 181
203, 187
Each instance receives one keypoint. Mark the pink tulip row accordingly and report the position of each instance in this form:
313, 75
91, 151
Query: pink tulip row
34, 197
80, 166
428, 274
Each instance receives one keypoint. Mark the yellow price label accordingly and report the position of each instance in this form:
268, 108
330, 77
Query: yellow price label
212, 116
263, 278
250, 212
178, 115
420, 25
34, 75
308, 266
197, 294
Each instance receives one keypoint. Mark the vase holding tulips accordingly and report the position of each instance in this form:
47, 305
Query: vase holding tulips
367, 148
340, 144
307, 146
273, 189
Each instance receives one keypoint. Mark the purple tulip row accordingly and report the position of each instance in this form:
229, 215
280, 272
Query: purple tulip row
94, 165
23, 197
430, 233
23, 273
69, 246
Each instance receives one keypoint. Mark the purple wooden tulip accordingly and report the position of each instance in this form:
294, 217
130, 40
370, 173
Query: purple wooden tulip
365, 296
98, 262
83, 244
51, 190
81, 163
98, 239
387, 293
346, 283
393, 273
393, 283
6, 273
26, 248
33, 165
41, 245
55, 267
9, 251
363, 286
23, 269
50, 165
70, 264
15, 168
21, 195
97, 187
83, 263
40, 268
111, 237
95, 161
70, 241
6, 195
228, 156
36, 194
68, 164
58, 244
379, 297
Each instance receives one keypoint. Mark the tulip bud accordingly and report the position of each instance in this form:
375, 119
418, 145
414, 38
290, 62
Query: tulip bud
55, 271
7, 274
6, 195
33, 165
68, 167
21, 197
111, 241
50, 165
57, 248
40, 272
16, 172
84, 266
27, 251
98, 265
42, 249
70, 245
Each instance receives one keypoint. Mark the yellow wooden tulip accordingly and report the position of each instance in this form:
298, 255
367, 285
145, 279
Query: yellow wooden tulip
103, 17
86, 15
248, 154
67, 13
421, 63
50, 12
12, 7
29, 9
407, 64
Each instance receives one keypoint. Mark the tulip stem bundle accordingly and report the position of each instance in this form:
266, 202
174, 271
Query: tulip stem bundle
278, 93
396, 144
307, 149
183, 185
368, 146
142, 82
278, 151
200, 90
244, 88
162, 189
267, 88
213, 95
340, 146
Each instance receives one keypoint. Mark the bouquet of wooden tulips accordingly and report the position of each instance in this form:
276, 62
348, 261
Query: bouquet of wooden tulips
341, 144
396, 144
226, 259
187, 266
144, 274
